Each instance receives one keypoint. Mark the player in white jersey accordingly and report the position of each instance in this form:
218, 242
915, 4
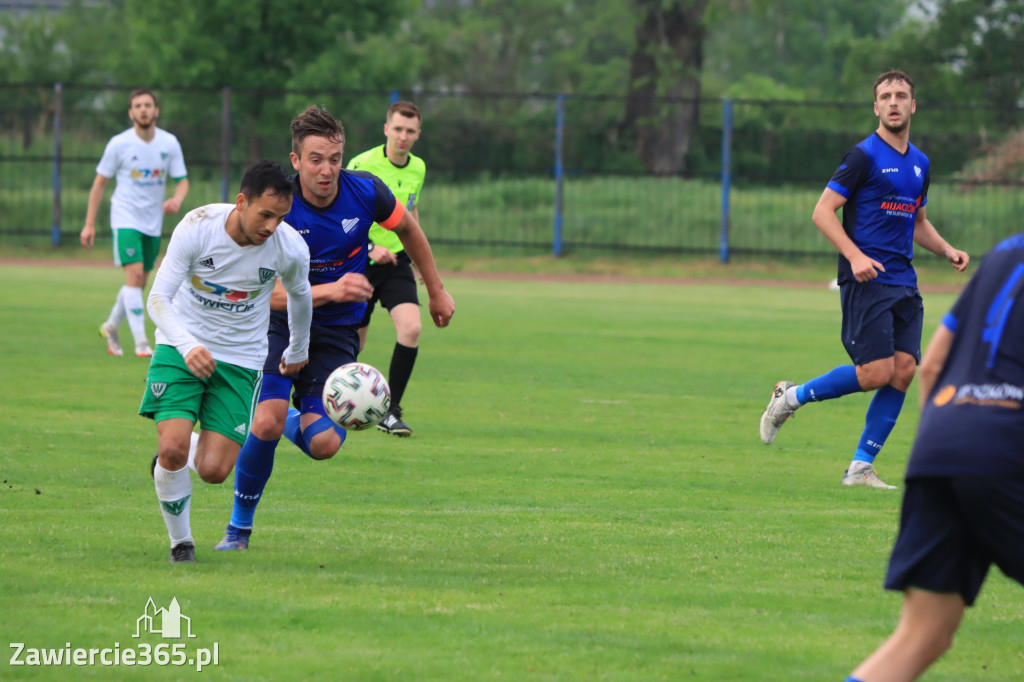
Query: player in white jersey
142, 158
211, 304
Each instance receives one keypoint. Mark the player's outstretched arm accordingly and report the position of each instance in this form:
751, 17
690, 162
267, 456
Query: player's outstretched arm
442, 305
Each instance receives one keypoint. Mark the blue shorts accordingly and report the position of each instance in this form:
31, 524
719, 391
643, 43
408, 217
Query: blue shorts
953, 529
880, 319
392, 285
329, 348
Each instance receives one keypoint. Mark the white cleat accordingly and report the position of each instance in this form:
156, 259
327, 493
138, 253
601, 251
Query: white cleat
777, 412
143, 350
866, 476
109, 335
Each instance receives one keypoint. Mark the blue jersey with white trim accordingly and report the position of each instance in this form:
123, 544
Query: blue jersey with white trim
337, 236
973, 422
884, 190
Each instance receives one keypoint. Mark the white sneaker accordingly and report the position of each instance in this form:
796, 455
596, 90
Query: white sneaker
109, 335
866, 476
777, 412
143, 350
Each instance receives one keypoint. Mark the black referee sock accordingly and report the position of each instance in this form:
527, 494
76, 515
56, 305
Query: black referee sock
402, 361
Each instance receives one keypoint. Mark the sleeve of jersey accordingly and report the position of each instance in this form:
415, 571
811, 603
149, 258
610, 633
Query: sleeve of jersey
300, 301
107, 166
169, 277
178, 169
851, 172
388, 211
951, 320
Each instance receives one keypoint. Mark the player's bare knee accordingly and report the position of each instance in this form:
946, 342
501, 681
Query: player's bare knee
173, 457
324, 448
267, 426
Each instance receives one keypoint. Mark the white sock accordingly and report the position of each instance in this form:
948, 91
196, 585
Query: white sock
136, 314
192, 452
791, 401
117, 312
174, 490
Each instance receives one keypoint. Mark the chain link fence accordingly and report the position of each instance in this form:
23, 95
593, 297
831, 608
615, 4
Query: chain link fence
546, 172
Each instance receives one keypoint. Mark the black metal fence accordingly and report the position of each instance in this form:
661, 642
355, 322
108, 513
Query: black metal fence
557, 173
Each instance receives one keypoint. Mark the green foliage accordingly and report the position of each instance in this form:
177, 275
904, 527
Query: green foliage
584, 498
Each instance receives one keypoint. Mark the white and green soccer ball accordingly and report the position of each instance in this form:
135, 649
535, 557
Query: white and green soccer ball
356, 396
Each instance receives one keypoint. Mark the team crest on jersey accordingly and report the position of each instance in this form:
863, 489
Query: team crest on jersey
349, 224
157, 388
163, 156
917, 171
266, 274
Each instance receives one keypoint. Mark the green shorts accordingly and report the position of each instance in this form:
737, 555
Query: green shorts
223, 402
131, 246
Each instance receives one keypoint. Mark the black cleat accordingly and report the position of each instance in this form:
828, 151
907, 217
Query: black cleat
392, 423
183, 553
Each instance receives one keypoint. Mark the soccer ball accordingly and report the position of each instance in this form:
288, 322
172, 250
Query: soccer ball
356, 396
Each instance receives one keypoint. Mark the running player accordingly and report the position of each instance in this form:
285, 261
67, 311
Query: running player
142, 158
211, 304
333, 211
882, 186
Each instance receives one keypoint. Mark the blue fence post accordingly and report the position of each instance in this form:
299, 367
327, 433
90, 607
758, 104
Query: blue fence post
559, 176
225, 144
723, 246
58, 110
394, 96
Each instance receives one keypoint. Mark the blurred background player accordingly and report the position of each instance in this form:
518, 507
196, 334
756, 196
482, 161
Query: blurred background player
211, 304
882, 187
963, 508
142, 158
333, 211
390, 268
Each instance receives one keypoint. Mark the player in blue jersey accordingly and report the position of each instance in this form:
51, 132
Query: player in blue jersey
963, 508
882, 187
333, 210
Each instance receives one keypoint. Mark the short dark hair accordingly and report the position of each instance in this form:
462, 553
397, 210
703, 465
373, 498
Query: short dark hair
266, 177
405, 109
894, 75
139, 92
316, 120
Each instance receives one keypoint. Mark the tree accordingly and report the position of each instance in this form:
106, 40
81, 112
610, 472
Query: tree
666, 63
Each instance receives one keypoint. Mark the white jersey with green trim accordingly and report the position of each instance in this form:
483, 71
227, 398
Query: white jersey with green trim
141, 169
211, 292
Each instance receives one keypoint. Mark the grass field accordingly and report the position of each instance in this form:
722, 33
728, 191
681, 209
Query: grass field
585, 498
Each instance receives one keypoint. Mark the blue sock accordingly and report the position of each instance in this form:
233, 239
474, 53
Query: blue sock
252, 471
839, 382
852, 679
293, 430
882, 413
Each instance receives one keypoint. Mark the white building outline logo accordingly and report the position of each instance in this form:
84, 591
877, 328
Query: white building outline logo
169, 621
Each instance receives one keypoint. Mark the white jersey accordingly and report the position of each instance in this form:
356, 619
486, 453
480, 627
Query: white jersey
211, 292
141, 169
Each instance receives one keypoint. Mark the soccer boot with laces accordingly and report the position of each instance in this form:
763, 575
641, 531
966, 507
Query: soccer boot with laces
143, 350
393, 424
777, 412
110, 335
865, 476
235, 538
183, 553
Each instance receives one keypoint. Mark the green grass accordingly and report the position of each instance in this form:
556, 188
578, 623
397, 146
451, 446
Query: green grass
585, 498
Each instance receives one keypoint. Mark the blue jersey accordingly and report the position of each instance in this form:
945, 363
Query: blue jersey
884, 190
336, 235
973, 422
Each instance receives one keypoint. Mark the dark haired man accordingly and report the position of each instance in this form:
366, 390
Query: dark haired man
141, 158
333, 211
882, 187
211, 305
